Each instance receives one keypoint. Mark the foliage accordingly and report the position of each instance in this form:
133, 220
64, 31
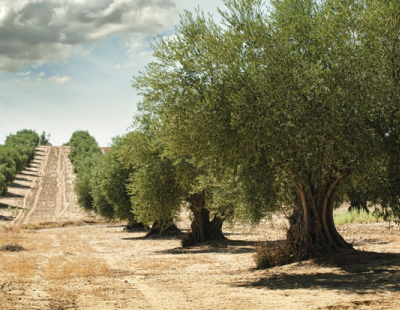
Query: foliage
113, 179
100, 201
17, 152
45, 139
155, 192
81, 145
83, 153
83, 181
291, 99
101, 179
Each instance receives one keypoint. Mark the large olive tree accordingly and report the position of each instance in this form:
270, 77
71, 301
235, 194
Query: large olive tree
297, 96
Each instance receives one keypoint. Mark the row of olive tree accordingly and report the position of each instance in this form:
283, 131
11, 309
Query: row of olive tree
100, 183
17, 152
137, 182
287, 105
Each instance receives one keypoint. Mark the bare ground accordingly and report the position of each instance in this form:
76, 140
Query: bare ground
99, 266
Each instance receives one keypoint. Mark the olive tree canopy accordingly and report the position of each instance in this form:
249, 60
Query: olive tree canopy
296, 96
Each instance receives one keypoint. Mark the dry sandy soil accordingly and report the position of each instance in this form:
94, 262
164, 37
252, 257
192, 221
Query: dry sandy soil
93, 265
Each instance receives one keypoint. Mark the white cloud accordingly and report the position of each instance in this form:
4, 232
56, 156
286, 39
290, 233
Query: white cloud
124, 65
45, 31
41, 74
26, 78
60, 79
25, 73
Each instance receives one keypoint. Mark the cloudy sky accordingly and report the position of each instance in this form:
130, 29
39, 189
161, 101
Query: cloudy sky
68, 64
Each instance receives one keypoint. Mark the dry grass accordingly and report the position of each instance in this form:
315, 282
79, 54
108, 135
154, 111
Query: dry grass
19, 267
64, 268
46, 225
10, 239
55, 259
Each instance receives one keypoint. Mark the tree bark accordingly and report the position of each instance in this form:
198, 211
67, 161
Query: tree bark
202, 228
312, 230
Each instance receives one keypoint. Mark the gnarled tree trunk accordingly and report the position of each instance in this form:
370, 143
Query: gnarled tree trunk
312, 230
202, 228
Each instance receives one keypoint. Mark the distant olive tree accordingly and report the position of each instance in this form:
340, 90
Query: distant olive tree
45, 139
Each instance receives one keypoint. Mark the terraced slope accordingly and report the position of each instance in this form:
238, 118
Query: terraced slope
44, 191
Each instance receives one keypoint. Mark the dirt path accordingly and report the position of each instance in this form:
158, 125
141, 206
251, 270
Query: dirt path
102, 267
44, 191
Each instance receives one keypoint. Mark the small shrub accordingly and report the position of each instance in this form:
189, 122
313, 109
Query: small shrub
277, 254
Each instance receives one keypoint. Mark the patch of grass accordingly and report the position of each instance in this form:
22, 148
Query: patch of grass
21, 266
61, 268
355, 216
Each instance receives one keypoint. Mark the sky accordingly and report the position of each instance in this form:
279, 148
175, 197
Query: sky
67, 65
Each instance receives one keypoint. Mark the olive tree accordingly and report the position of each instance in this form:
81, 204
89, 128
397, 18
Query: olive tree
297, 96
84, 151
154, 191
112, 176
45, 139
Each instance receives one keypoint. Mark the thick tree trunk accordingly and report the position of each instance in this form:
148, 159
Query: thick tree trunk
202, 228
312, 230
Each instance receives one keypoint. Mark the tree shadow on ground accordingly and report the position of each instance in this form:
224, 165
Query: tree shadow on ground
7, 206
225, 246
23, 179
12, 195
164, 236
6, 218
29, 174
359, 272
16, 185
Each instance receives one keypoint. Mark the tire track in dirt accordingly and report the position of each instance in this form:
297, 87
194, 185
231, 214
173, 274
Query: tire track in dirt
65, 176
50, 196
158, 295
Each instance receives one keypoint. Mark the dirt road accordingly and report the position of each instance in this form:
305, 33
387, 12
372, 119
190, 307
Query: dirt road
44, 191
